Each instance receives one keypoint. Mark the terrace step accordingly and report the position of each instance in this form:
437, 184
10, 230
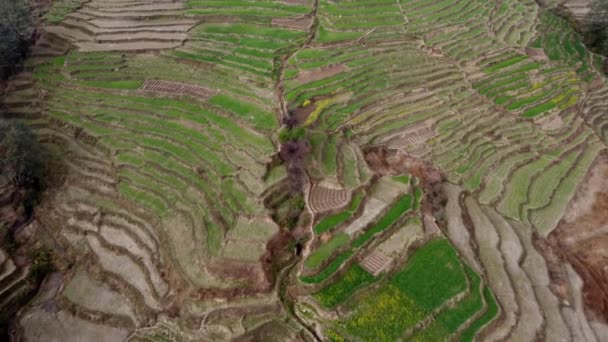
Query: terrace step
140, 37
136, 7
135, 15
14, 292
125, 23
70, 33
12, 281
8, 268
127, 46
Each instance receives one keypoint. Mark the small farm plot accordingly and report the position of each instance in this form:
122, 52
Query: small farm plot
432, 276
355, 278
329, 222
380, 258
323, 199
341, 246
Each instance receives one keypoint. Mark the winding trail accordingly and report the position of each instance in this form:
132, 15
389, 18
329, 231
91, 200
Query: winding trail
279, 87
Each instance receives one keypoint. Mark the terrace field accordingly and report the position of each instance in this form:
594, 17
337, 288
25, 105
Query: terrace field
313, 170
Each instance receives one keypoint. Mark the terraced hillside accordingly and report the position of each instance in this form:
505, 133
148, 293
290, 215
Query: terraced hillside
317, 170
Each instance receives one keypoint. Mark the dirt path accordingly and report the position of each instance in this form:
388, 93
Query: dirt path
279, 87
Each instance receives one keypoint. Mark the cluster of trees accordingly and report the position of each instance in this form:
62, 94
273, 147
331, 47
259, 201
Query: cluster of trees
16, 35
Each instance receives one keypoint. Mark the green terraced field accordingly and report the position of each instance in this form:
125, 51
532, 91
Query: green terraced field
367, 170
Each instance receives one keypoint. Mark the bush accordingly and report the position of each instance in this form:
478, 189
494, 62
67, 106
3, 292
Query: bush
41, 262
20, 155
294, 134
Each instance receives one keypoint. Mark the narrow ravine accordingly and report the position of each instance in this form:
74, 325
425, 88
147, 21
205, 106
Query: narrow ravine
279, 87
282, 281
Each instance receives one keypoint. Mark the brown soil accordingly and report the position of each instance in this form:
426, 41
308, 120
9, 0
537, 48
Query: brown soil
177, 88
537, 54
300, 114
297, 23
581, 239
251, 274
278, 254
385, 161
321, 73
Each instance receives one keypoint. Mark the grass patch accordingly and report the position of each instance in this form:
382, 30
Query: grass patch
319, 255
126, 84
468, 335
433, 275
505, 64
329, 222
355, 278
327, 271
405, 179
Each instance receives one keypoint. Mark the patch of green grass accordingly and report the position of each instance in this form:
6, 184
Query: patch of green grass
326, 36
126, 84
417, 197
468, 335
448, 321
433, 275
329, 222
534, 111
454, 317
505, 64
405, 179
327, 271
319, 255
355, 278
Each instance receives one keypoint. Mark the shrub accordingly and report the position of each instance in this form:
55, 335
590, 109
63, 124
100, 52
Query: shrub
20, 154
294, 134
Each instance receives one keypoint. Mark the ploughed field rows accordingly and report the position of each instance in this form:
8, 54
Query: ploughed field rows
170, 159
14, 281
100, 25
518, 274
491, 94
167, 161
165, 186
499, 120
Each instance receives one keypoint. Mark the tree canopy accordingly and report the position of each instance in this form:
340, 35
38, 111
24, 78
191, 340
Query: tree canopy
15, 34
